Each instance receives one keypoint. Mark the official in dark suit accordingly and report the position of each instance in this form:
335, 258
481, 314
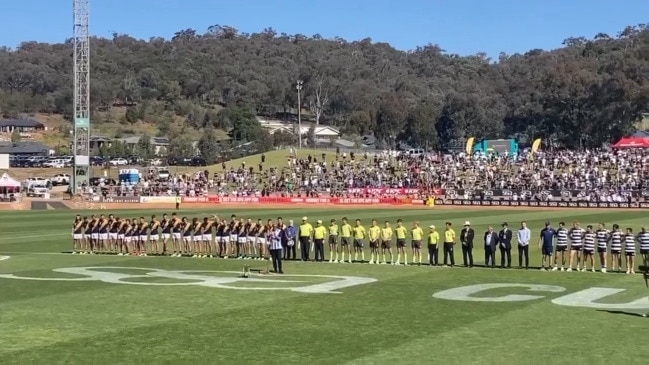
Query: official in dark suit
490, 244
505, 240
466, 238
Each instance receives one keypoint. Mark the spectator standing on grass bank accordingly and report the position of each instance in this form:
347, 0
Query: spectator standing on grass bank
505, 240
466, 237
524, 235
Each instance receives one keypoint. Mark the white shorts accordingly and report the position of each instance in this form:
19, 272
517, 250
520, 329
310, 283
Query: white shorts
233, 238
197, 238
127, 239
241, 240
103, 236
166, 236
77, 236
251, 239
86, 235
177, 235
207, 237
95, 236
120, 236
261, 240
187, 238
221, 239
154, 237
142, 237
112, 236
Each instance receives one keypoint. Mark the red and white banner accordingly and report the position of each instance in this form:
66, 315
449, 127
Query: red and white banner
383, 191
200, 199
299, 200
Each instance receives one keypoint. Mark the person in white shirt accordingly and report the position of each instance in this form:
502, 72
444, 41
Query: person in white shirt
524, 235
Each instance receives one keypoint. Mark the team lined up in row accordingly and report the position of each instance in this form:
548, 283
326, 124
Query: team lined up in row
583, 243
174, 236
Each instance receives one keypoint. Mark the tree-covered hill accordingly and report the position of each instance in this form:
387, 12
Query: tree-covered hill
590, 91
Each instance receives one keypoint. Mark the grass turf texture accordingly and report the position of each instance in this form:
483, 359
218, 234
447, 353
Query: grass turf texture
393, 320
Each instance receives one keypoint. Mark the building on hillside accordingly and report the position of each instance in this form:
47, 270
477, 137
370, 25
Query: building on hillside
25, 149
97, 142
321, 131
20, 125
159, 144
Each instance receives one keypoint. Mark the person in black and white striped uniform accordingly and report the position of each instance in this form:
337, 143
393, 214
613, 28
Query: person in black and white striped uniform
603, 235
616, 248
561, 246
589, 248
629, 250
576, 235
643, 240
275, 246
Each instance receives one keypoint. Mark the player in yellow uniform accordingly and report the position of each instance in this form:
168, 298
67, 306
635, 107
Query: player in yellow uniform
375, 236
401, 232
333, 241
417, 235
359, 235
433, 241
346, 231
386, 241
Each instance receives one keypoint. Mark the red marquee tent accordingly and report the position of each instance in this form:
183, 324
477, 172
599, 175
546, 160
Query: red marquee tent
632, 142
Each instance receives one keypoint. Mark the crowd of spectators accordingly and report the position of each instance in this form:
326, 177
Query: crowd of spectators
596, 175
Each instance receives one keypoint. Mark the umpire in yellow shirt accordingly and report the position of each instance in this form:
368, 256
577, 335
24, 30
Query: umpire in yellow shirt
319, 234
449, 242
433, 250
305, 232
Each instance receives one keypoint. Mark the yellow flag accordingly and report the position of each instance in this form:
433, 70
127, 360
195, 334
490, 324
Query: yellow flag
536, 145
469, 145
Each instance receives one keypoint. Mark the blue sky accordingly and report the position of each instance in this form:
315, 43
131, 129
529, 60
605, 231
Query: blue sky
458, 26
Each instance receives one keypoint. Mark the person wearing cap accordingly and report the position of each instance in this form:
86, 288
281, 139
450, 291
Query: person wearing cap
449, 243
505, 240
305, 232
466, 237
433, 241
319, 234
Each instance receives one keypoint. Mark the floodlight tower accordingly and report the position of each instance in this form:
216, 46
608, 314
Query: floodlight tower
80, 143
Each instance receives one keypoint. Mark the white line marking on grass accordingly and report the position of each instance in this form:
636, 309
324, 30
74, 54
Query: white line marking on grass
2, 258
18, 236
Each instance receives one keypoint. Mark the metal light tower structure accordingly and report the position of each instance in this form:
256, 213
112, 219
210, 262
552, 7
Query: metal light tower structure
80, 143
298, 87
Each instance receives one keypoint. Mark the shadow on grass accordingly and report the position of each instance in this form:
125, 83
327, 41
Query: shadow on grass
623, 313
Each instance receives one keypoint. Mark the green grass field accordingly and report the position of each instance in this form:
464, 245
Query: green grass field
157, 312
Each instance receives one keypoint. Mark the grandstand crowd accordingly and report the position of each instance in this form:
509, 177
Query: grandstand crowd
598, 174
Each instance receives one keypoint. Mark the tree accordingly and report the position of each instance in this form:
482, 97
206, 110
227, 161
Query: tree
320, 99
181, 147
209, 146
144, 148
310, 137
15, 136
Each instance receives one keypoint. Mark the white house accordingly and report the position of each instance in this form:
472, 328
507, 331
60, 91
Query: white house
320, 131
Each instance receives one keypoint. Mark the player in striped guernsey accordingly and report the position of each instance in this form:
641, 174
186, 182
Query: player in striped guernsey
589, 248
576, 235
629, 250
616, 248
561, 246
643, 240
603, 235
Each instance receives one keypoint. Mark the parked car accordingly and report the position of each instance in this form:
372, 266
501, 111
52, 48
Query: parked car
118, 162
95, 181
61, 179
198, 161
